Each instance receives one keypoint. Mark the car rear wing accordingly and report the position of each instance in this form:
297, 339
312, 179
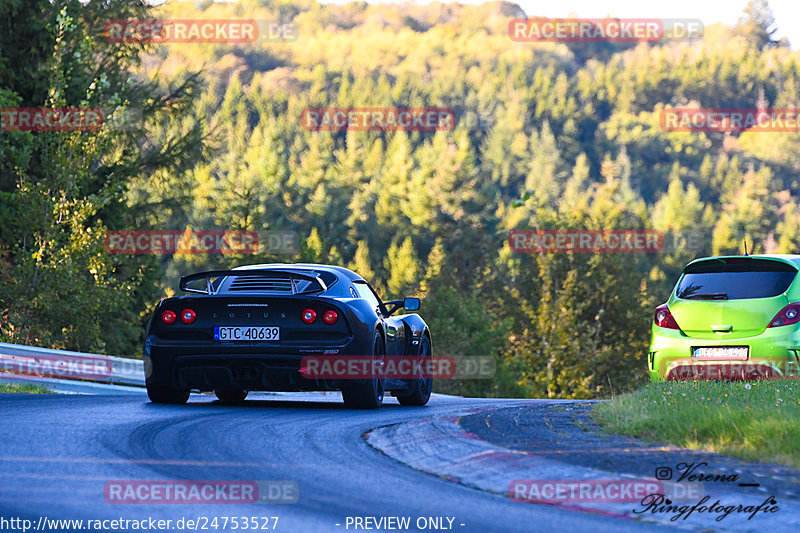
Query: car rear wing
317, 283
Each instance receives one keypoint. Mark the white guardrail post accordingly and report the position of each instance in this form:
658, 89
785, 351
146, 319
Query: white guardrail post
29, 361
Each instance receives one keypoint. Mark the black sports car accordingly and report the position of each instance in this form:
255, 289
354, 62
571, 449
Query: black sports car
253, 327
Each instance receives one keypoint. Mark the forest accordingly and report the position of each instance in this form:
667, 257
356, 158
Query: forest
550, 135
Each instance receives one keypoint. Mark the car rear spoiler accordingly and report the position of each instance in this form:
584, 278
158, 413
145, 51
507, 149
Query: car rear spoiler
288, 274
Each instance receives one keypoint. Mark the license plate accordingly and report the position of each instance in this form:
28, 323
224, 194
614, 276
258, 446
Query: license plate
247, 333
721, 353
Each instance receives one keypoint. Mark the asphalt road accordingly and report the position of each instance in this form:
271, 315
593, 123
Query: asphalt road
57, 453
566, 433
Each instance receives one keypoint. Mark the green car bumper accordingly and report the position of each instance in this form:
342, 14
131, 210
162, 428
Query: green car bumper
772, 354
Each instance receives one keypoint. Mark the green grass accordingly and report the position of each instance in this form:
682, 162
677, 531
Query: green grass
754, 420
23, 388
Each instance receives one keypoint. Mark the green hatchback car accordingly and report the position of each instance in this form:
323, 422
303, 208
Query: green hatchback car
730, 317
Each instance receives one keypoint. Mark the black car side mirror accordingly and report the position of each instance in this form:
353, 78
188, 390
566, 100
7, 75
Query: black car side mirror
411, 304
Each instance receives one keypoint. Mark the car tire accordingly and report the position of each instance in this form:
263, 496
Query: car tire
420, 388
231, 395
167, 395
370, 394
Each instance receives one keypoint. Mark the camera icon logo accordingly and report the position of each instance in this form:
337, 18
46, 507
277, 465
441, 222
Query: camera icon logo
663, 473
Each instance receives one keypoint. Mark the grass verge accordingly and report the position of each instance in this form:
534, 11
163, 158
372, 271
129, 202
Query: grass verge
753, 420
24, 388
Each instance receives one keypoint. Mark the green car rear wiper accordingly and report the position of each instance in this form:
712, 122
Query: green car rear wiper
708, 296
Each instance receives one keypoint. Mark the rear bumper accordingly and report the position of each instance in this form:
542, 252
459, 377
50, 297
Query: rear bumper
254, 372
773, 354
255, 368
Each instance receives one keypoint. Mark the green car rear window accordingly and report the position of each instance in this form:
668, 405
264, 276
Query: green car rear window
735, 279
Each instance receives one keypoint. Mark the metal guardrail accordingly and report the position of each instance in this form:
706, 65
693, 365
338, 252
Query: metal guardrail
30, 362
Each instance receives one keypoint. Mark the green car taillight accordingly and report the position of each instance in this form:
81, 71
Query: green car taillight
787, 316
663, 318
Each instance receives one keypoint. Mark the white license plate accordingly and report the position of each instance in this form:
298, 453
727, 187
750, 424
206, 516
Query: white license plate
247, 333
721, 353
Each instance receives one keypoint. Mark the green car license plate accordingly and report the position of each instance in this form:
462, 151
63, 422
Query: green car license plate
721, 353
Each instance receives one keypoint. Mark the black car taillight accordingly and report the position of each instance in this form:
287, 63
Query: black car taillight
663, 318
309, 316
188, 316
330, 317
787, 316
168, 317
